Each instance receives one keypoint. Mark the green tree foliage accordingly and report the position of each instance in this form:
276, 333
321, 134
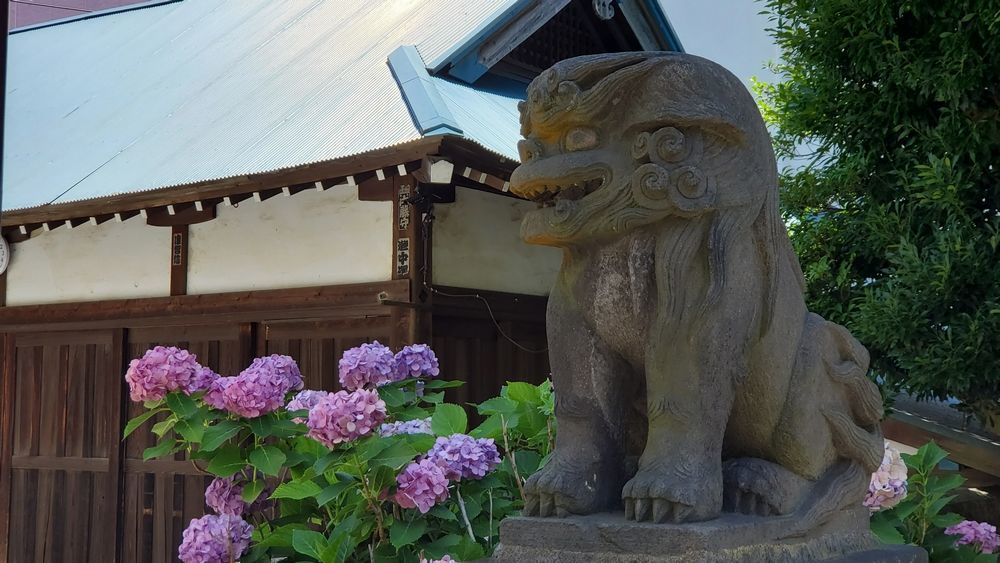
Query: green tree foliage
895, 216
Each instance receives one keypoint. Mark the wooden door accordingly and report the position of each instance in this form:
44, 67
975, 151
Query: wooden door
163, 495
65, 414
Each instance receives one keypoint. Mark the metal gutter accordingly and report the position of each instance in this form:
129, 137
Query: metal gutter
428, 109
97, 14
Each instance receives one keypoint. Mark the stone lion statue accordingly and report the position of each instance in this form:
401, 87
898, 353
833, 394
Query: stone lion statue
690, 378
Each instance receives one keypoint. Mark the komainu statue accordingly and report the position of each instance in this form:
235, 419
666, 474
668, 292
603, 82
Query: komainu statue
690, 378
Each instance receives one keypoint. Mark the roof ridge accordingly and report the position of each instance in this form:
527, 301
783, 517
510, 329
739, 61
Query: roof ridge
92, 15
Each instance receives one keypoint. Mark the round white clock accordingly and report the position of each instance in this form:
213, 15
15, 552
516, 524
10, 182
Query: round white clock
4, 255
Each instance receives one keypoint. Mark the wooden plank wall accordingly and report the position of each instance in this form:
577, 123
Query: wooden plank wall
72, 490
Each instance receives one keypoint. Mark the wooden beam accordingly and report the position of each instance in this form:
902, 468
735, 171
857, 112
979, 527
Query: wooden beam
189, 193
348, 300
963, 448
3, 289
184, 214
515, 32
179, 259
7, 376
374, 189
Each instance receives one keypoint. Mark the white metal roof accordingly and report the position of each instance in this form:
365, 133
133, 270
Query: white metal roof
204, 89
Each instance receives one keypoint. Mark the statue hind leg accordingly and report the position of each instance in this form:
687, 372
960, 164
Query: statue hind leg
828, 442
586, 471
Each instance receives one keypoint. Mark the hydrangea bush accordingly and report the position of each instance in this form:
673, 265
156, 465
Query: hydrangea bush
382, 470
907, 498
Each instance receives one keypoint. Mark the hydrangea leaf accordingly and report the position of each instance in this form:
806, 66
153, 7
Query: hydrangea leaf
395, 456
217, 434
310, 543
268, 459
163, 448
252, 490
442, 384
884, 529
226, 461
405, 533
297, 490
192, 429
333, 491
161, 427
523, 392
182, 405
137, 421
448, 419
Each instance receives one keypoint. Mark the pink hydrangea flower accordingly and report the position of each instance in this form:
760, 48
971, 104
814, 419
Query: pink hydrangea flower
445, 559
419, 426
415, 361
368, 365
213, 396
464, 457
888, 484
343, 417
159, 371
304, 401
261, 388
202, 380
215, 539
421, 485
223, 496
981, 535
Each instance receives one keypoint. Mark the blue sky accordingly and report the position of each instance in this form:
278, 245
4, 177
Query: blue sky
729, 32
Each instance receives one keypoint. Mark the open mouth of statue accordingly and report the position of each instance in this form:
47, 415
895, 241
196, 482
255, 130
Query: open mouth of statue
549, 193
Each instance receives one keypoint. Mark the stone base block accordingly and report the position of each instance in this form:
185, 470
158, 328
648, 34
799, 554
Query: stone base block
609, 538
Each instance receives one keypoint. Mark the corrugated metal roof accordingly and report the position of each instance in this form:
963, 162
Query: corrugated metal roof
204, 89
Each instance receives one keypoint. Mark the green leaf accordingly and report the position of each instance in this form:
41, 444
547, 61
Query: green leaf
420, 442
392, 396
161, 427
395, 456
443, 513
442, 384
163, 448
323, 462
443, 545
217, 434
226, 461
370, 447
497, 405
449, 419
137, 421
932, 455
944, 483
523, 392
281, 536
192, 428
433, 398
936, 506
287, 428
262, 425
297, 490
268, 459
405, 533
252, 490
492, 427
884, 529
182, 405
333, 491
310, 543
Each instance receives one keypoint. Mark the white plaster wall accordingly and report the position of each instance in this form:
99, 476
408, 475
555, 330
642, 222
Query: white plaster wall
311, 238
90, 263
477, 244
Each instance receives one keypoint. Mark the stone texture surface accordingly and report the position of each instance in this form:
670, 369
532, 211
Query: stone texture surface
690, 378
731, 538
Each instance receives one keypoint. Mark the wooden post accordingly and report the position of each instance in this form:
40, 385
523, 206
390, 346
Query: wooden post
410, 323
179, 259
7, 374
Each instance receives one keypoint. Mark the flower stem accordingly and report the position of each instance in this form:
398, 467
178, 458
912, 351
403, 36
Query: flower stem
513, 460
465, 516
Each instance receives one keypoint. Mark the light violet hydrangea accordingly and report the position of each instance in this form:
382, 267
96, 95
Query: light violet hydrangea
419, 426
202, 380
261, 388
421, 485
415, 361
305, 400
445, 559
888, 484
159, 371
368, 365
213, 396
223, 496
464, 457
980, 535
343, 417
215, 539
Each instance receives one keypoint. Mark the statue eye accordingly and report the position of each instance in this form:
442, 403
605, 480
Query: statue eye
580, 139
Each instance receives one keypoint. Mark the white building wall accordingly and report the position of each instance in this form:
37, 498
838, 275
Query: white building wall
477, 244
88, 263
312, 238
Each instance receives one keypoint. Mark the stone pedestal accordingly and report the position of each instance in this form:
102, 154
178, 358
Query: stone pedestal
609, 538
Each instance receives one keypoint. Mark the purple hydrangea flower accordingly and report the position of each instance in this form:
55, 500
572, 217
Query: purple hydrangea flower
464, 457
215, 539
202, 380
261, 388
342, 416
213, 396
223, 496
159, 371
419, 426
368, 365
887, 486
981, 535
304, 401
421, 485
415, 361
445, 559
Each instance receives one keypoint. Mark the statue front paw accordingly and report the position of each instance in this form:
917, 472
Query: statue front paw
565, 487
661, 493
